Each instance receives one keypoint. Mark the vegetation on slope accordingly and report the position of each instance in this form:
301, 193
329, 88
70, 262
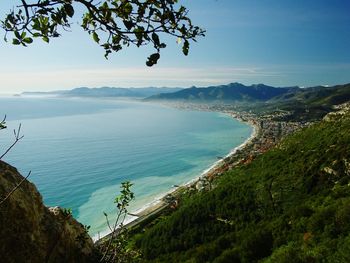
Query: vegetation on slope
292, 204
308, 104
230, 92
319, 95
32, 232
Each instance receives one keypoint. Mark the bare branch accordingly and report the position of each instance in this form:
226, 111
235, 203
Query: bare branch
108, 224
18, 137
113, 250
112, 236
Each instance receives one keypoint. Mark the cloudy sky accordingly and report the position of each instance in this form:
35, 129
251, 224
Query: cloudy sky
281, 43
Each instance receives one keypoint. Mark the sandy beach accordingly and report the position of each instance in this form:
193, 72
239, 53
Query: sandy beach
159, 205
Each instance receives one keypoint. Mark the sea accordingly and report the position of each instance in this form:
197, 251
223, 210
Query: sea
80, 150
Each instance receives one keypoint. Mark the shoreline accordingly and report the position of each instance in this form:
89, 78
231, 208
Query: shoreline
161, 203
218, 163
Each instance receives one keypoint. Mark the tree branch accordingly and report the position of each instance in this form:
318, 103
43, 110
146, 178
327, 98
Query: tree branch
112, 24
18, 137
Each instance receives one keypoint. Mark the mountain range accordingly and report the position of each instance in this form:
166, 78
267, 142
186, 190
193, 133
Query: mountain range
231, 92
303, 104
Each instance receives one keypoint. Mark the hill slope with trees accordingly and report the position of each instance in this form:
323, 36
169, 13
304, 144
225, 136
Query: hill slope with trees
230, 92
291, 204
276, 96
310, 103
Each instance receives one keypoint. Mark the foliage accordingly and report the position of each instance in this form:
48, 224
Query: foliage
236, 92
292, 204
3, 123
67, 212
113, 24
300, 104
308, 103
115, 248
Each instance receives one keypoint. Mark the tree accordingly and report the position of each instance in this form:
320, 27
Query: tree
115, 247
18, 137
113, 24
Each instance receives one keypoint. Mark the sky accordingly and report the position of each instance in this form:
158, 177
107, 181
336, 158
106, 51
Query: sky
279, 43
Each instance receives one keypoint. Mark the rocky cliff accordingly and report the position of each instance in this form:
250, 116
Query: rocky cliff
31, 232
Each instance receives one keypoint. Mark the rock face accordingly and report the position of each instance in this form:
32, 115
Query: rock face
31, 232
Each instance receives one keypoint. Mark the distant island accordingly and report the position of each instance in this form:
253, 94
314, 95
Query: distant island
106, 92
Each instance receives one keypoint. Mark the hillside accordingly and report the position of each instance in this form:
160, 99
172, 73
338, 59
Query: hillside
296, 104
32, 232
230, 92
291, 204
306, 104
319, 95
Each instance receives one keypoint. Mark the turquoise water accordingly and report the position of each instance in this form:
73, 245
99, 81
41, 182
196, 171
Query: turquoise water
80, 150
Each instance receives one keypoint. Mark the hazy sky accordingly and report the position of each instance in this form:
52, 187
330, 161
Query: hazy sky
281, 43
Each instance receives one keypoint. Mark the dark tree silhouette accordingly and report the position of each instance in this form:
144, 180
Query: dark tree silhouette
113, 24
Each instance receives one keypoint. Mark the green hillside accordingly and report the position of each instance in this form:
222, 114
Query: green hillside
291, 204
309, 103
236, 92
319, 95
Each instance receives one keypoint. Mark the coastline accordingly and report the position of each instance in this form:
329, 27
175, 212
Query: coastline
240, 147
162, 202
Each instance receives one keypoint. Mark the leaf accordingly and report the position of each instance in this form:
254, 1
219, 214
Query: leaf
42, 11
152, 59
107, 53
27, 40
46, 39
69, 10
36, 24
116, 48
127, 9
155, 56
16, 41
155, 38
186, 47
139, 35
128, 24
95, 37
17, 35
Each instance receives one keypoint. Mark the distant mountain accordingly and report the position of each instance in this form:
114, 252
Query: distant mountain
230, 92
106, 92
